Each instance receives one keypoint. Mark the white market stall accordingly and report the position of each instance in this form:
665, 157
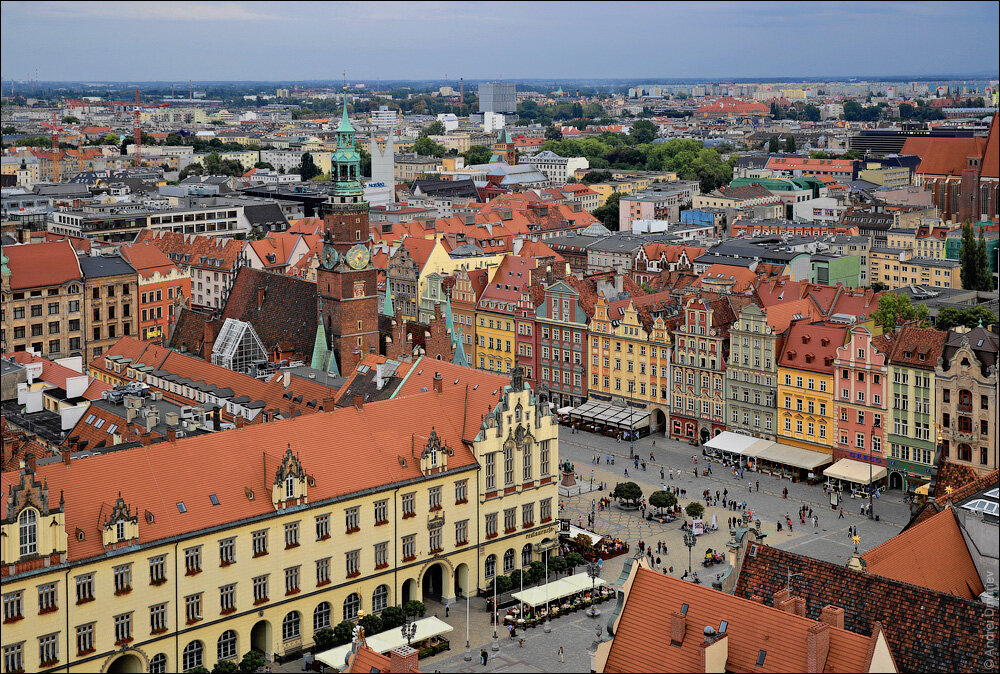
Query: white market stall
738, 447
557, 589
791, 461
855, 472
383, 642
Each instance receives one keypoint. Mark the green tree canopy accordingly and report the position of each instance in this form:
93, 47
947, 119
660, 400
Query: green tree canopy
984, 275
414, 607
773, 144
894, 309
225, 667
70, 119
253, 661
575, 559
308, 169
627, 491
477, 154
428, 148
970, 317
608, 213
343, 632
558, 563
811, 113
662, 499
694, 509
967, 256
790, 143
643, 131
372, 624
264, 165
435, 128
392, 617
591, 177
553, 133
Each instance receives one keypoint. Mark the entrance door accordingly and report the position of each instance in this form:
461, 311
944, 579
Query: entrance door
704, 435
126, 663
433, 583
260, 638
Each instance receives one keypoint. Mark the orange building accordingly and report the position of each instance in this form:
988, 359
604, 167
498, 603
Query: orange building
163, 286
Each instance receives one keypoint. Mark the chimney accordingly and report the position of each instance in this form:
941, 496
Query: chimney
29, 461
817, 647
438, 382
359, 402
780, 596
678, 625
286, 379
714, 652
793, 605
217, 419
260, 297
403, 660
171, 435
208, 337
240, 421
757, 599
147, 439
66, 455
832, 616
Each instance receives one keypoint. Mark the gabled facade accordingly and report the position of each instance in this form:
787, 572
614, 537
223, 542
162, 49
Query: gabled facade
561, 347
699, 370
861, 407
751, 382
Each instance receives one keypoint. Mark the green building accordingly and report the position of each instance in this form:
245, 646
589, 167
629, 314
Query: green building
834, 269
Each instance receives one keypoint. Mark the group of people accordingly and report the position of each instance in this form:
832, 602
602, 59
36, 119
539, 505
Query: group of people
608, 547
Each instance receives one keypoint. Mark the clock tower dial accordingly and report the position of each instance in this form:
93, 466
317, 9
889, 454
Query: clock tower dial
358, 256
329, 257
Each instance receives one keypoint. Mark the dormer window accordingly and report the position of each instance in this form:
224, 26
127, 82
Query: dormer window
290, 486
28, 532
120, 530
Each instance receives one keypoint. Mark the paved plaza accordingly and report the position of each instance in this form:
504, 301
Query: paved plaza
829, 541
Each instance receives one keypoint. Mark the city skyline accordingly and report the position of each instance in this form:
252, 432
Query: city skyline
380, 41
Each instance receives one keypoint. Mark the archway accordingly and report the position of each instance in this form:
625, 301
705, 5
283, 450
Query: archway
433, 582
705, 435
659, 421
545, 553
260, 638
461, 580
409, 590
895, 480
129, 662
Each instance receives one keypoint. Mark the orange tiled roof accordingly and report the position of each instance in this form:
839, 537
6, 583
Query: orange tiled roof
33, 265
932, 554
812, 347
991, 153
56, 374
642, 641
147, 259
944, 156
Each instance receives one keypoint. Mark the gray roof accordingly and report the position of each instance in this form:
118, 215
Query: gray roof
97, 267
708, 258
934, 262
265, 215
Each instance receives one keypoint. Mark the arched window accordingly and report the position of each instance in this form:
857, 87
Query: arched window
508, 560
28, 526
321, 616
351, 606
491, 566
290, 486
291, 625
380, 598
526, 556
193, 655
158, 664
227, 645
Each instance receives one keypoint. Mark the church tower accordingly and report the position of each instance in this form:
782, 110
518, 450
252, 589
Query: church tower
347, 297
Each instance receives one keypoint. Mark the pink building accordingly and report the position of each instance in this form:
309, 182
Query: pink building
860, 400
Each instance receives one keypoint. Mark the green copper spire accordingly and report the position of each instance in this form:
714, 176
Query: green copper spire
345, 123
345, 163
320, 352
459, 357
387, 308
3, 264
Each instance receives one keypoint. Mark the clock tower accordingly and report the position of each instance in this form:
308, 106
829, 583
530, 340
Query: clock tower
347, 297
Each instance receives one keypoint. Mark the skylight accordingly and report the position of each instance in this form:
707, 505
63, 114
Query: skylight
214, 499
181, 508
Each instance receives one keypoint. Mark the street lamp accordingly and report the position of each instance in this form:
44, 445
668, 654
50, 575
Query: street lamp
409, 628
690, 540
871, 458
468, 651
548, 617
631, 428
496, 642
593, 570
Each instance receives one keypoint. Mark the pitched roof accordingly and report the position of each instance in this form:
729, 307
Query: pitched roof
56, 374
914, 346
42, 264
642, 641
943, 156
990, 168
812, 347
927, 631
370, 441
147, 259
187, 334
194, 249
957, 495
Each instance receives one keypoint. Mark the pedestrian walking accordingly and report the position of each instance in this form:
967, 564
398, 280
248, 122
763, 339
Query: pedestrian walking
561, 656
841, 514
651, 459
661, 473
671, 473
779, 527
758, 485
626, 472
447, 610
815, 520
483, 656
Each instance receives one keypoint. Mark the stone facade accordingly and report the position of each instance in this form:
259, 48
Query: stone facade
752, 375
110, 302
561, 324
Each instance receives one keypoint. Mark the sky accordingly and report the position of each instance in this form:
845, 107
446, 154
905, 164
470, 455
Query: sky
291, 41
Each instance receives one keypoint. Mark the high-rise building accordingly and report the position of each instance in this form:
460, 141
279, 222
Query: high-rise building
497, 97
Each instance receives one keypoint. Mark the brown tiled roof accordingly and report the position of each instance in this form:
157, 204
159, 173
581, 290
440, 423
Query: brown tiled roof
287, 314
188, 333
743, 192
42, 264
199, 248
643, 639
931, 554
952, 476
914, 346
957, 495
812, 347
991, 154
944, 156
927, 631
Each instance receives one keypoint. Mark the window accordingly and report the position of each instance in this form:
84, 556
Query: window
408, 501
227, 598
291, 535
434, 498
462, 532
192, 607
47, 598
381, 512
84, 588
260, 594
352, 604
227, 645
527, 514
158, 618
292, 579
28, 532
435, 540
192, 560
193, 655
543, 458
508, 466
259, 539
509, 519
491, 525
461, 491
353, 562
380, 598
84, 639
409, 547
322, 616
322, 527
322, 571
123, 578
227, 551
123, 628
381, 555
48, 649
526, 457
490, 568
13, 658
12, 607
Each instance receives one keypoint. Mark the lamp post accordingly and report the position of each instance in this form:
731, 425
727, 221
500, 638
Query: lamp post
871, 458
468, 651
548, 627
631, 429
409, 628
593, 570
690, 540
496, 639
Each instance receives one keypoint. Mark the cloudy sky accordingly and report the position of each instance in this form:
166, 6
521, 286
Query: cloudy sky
177, 41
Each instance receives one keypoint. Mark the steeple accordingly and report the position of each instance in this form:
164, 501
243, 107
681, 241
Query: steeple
387, 308
345, 164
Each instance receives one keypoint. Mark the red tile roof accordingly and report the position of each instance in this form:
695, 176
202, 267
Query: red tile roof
932, 554
188, 471
991, 153
957, 495
148, 260
196, 246
944, 156
643, 643
33, 265
56, 374
812, 347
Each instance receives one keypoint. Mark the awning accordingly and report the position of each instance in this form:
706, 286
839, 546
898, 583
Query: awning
557, 589
611, 415
923, 490
857, 472
575, 531
787, 455
383, 642
737, 443
565, 410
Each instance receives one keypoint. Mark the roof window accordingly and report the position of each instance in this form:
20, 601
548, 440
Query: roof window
181, 508
214, 499
760, 658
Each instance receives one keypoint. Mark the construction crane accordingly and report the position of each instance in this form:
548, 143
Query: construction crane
138, 130
56, 160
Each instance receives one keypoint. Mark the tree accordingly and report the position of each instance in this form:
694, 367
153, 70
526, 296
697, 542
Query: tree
970, 317
264, 165
627, 491
70, 119
553, 133
575, 559
372, 624
790, 143
392, 617
662, 499
308, 169
414, 607
536, 571
428, 148
982, 262
323, 638
191, 170
502, 583
967, 256
343, 633
879, 287
811, 113
643, 131
591, 177
252, 660
435, 128
694, 509
477, 154
225, 667
773, 145
558, 564
608, 213
895, 309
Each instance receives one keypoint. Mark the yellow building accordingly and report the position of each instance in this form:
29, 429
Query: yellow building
806, 386
630, 364
924, 241
504, 300
887, 176
898, 267
258, 537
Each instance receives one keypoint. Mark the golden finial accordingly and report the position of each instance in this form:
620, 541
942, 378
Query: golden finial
856, 539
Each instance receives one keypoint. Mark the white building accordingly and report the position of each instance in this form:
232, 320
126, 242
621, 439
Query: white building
493, 121
450, 122
381, 189
384, 117
557, 169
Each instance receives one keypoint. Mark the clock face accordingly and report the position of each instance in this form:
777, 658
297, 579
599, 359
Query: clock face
358, 256
329, 257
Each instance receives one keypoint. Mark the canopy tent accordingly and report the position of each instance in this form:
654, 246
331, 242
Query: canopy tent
581, 582
923, 490
857, 472
610, 415
575, 531
565, 410
383, 642
557, 589
787, 455
745, 446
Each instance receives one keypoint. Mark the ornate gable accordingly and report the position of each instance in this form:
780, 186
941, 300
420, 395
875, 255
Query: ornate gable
434, 457
44, 526
290, 482
120, 525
